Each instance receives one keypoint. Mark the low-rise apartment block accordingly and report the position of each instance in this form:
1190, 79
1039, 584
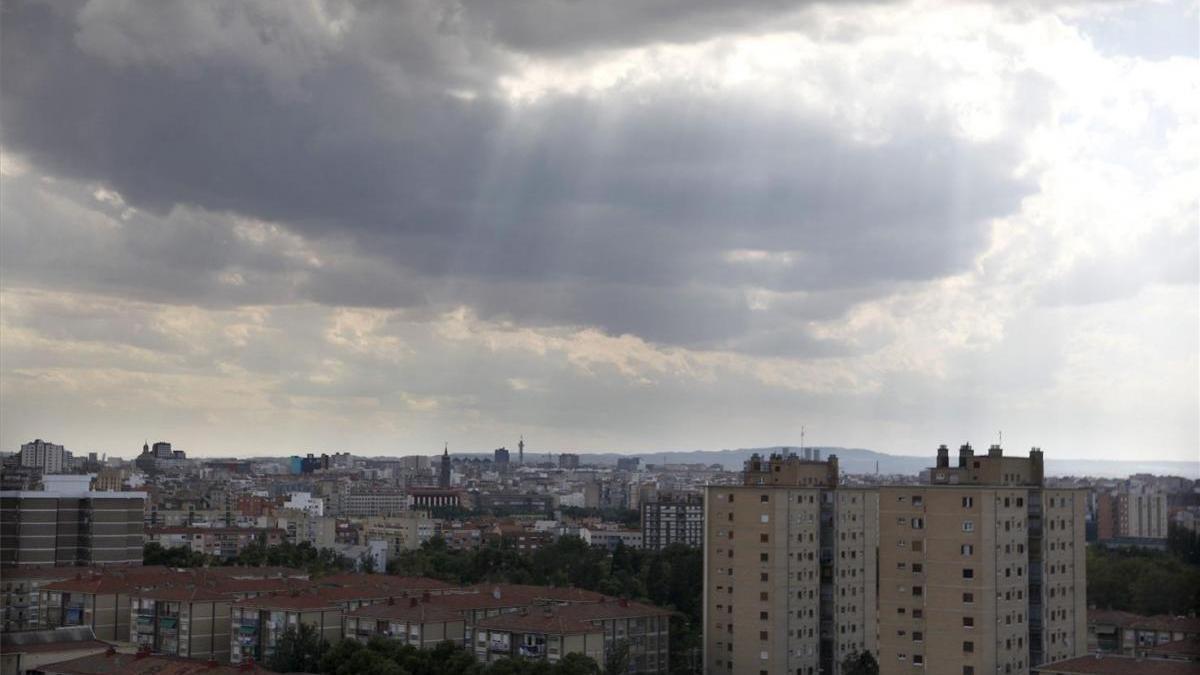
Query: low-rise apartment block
421, 624
536, 633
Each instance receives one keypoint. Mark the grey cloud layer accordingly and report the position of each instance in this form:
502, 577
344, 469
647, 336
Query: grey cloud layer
615, 213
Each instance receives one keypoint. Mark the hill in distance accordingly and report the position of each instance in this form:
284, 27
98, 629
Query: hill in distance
862, 461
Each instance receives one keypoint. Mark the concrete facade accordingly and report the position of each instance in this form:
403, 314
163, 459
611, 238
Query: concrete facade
673, 519
981, 573
43, 528
789, 570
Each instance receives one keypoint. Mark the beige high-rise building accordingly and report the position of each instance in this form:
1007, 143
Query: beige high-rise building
982, 571
789, 569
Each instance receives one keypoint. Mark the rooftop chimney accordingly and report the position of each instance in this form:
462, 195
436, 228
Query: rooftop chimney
965, 453
995, 451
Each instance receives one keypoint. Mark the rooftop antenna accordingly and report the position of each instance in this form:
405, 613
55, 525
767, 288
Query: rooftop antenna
801, 439
1000, 438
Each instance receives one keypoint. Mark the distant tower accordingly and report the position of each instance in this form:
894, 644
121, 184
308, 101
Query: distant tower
521, 451
146, 448
444, 474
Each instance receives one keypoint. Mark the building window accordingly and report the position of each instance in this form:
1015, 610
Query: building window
968, 647
918, 636
968, 597
917, 500
917, 590
918, 523
917, 568
968, 622
762, 635
968, 526
968, 573
968, 502
967, 549
968, 670
764, 498
764, 557
764, 538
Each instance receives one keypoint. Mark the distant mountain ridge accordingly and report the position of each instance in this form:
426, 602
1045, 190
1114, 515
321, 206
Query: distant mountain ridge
862, 460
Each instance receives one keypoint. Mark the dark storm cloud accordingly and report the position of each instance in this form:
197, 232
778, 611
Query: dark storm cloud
615, 213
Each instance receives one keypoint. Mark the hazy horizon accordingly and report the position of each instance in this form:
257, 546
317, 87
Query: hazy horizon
251, 228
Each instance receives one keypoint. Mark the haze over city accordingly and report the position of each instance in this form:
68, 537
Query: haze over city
280, 227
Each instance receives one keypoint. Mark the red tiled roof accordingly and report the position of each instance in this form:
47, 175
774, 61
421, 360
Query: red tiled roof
295, 601
537, 621
1187, 647
533, 594
141, 579
56, 647
47, 572
1163, 622
185, 593
138, 664
409, 610
621, 609
395, 583
1111, 664
97, 585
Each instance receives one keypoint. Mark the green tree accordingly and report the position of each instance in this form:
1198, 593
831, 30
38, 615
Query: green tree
298, 649
860, 663
576, 664
154, 553
616, 661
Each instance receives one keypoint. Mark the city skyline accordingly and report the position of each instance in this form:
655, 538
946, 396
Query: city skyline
279, 228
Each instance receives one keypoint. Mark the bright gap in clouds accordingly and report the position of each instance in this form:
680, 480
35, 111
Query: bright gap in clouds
377, 228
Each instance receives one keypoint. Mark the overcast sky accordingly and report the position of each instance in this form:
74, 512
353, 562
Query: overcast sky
265, 228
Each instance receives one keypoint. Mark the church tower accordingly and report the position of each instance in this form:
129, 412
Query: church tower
444, 474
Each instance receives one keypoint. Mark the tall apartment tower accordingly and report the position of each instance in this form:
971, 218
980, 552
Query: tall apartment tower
66, 524
789, 569
982, 571
44, 455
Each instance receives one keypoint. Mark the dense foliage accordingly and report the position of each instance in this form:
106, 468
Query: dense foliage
178, 556
671, 578
381, 656
1184, 544
305, 556
298, 650
1141, 581
860, 663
